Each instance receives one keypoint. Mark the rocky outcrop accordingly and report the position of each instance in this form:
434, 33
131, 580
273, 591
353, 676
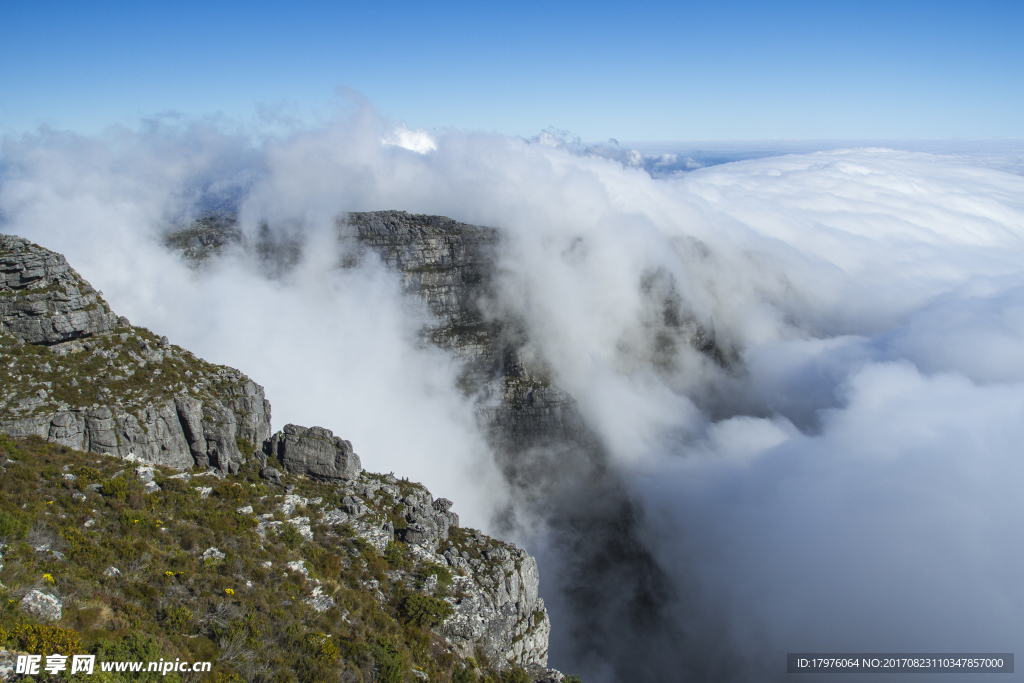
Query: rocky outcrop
74, 373
106, 386
314, 452
446, 263
43, 300
497, 613
209, 235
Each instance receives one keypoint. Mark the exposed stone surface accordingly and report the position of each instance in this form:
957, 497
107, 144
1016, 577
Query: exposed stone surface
73, 373
447, 263
208, 236
315, 452
212, 554
43, 300
498, 609
126, 392
41, 605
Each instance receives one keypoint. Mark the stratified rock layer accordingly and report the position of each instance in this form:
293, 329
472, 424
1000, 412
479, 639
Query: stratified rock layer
314, 452
43, 300
447, 263
74, 373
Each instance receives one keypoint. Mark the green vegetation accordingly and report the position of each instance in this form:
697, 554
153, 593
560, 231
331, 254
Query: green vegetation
247, 613
424, 610
107, 370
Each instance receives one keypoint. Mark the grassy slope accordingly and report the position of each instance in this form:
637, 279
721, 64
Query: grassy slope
252, 620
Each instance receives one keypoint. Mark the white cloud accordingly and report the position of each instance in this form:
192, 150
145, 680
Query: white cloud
857, 458
419, 140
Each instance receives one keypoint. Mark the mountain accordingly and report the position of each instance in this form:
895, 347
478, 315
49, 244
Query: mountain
208, 537
614, 595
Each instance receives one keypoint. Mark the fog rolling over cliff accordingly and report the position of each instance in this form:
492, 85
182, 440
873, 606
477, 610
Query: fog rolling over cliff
761, 407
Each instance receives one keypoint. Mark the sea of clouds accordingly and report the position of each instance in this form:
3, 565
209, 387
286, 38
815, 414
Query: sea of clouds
847, 480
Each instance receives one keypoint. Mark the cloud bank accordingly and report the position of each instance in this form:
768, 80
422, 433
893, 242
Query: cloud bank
842, 476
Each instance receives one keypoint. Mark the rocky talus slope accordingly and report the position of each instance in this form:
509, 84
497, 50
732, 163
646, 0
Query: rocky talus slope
194, 440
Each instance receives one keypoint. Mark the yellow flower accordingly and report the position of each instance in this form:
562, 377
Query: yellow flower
135, 521
48, 578
229, 591
168, 573
49, 502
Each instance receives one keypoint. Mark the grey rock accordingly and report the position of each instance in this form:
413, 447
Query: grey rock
318, 601
499, 611
271, 475
314, 452
298, 566
41, 605
45, 301
334, 517
301, 525
212, 554
376, 534
291, 502
111, 572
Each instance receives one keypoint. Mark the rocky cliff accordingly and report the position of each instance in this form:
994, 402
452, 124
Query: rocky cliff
77, 376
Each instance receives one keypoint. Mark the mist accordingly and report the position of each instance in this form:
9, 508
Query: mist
842, 476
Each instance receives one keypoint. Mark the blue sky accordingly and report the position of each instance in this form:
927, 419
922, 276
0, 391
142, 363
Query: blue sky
639, 71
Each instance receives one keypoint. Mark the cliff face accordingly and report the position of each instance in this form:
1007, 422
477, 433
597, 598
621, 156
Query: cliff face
44, 301
446, 263
497, 613
77, 376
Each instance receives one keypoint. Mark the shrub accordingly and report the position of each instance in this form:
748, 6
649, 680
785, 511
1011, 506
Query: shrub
424, 610
290, 536
229, 490
116, 488
390, 661
179, 619
397, 555
515, 675
444, 576
320, 647
45, 640
463, 675
86, 475
135, 647
13, 526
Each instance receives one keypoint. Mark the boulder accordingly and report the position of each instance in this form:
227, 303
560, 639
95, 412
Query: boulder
271, 475
212, 554
314, 452
41, 605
